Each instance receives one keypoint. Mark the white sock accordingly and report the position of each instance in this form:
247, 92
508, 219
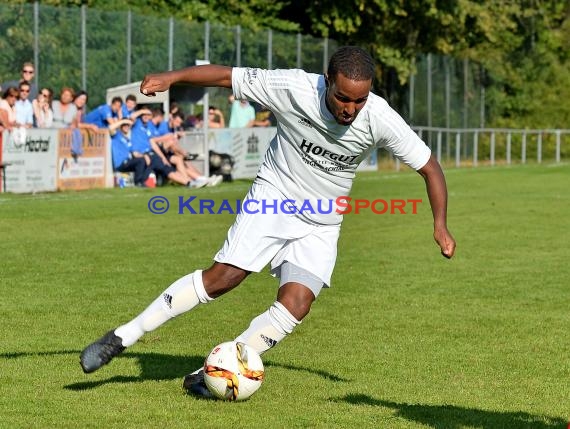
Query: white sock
269, 328
183, 295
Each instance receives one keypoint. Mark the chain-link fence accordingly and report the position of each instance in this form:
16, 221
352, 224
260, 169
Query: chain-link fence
93, 50
447, 92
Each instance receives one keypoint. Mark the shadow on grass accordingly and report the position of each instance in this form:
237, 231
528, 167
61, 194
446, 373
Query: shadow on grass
324, 374
154, 366
454, 417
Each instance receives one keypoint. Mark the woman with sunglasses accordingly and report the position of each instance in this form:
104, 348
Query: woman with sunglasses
43, 113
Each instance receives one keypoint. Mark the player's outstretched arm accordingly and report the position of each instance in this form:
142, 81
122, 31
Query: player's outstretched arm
204, 75
437, 194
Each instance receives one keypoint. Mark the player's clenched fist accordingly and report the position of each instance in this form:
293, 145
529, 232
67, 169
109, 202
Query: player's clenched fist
153, 83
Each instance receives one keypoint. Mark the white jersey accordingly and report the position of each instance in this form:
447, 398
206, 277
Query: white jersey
312, 159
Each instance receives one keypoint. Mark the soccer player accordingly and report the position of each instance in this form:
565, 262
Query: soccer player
327, 125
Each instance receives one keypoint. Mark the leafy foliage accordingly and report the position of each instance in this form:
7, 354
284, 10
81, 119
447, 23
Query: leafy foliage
522, 48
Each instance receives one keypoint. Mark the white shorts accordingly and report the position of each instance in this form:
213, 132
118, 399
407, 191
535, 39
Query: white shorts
254, 240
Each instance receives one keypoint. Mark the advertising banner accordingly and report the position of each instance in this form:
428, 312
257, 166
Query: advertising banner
82, 159
30, 156
246, 145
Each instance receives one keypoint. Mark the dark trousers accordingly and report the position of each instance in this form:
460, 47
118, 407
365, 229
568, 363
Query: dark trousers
138, 166
160, 167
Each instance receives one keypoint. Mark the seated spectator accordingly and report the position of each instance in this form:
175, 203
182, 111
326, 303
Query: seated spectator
7, 112
122, 152
23, 107
64, 111
158, 125
43, 113
215, 118
174, 108
144, 146
161, 126
196, 121
242, 114
129, 107
263, 117
27, 74
191, 122
166, 137
105, 114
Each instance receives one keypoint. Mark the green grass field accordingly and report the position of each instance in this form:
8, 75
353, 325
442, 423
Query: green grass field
403, 339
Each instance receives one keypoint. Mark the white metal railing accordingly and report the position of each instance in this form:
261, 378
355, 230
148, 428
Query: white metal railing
491, 145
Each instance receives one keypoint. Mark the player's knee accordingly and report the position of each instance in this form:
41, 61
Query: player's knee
221, 278
296, 298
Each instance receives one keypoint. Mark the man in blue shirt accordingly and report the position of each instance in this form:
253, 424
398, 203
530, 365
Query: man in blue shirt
23, 107
166, 134
105, 114
121, 148
145, 146
129, 107
158, 125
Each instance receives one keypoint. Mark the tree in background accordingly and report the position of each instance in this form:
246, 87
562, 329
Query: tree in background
523, 47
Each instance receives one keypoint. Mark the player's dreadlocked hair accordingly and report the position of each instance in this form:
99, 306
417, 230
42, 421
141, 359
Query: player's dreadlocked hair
353, 62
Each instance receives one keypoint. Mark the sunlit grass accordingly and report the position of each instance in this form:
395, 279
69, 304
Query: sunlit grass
403, 339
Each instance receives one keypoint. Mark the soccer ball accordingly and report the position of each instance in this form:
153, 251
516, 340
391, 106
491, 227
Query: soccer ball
215, 159
233, 371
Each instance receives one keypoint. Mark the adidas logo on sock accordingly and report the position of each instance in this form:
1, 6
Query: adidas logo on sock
168, 300
269, 341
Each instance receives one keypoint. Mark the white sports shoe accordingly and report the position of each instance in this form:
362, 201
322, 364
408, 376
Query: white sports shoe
200, 182
215, 180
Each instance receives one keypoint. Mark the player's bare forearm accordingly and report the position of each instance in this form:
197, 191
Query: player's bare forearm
204, 76
437, 194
